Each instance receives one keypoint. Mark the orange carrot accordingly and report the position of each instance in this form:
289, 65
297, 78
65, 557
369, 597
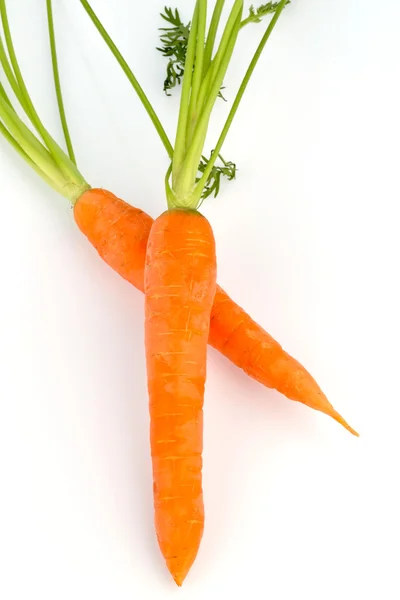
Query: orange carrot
119, 232
180, 280
234, 333
180, 268
174, 283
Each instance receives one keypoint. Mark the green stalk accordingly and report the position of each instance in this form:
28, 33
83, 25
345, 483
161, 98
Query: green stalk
129, 74
66, 166
57, 83
237, 7
212, 33
180, 140
7, 135
31, 145
199, 187
5, 63
216, 62
184, 185
185, 193
198, 70
3, 94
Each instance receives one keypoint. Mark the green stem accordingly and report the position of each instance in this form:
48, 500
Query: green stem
198, 70
169, 193
132, 79
216, 62
186, 182
10, 139
180, 140
57, 83
31, 145
5, 63
212, 33
65, 164
3, 94
261, 12
239, 96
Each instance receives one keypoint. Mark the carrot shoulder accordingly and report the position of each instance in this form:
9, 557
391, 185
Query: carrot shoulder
180, 280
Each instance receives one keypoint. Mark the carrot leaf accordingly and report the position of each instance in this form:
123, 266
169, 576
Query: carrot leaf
174, 39
256, 14
202, 74
228, 169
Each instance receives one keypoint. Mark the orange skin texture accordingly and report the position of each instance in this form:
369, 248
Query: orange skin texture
119, 232
180, 281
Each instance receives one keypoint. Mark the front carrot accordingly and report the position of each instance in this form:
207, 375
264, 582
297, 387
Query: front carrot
180, 285
180, 281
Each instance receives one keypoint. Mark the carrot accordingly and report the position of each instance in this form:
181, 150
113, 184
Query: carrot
175, 345
119, 232
179, 273
234, 333
180, 279
180, 285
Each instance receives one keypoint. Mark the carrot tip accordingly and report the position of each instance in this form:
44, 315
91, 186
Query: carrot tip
179, 579
335, 415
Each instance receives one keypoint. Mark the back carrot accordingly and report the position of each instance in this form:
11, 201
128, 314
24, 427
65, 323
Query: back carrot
119, 232
234, 333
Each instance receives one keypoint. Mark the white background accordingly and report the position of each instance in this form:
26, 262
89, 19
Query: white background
308, 243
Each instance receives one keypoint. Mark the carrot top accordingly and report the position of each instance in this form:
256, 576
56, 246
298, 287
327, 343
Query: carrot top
187, 180
175, 37
35, 144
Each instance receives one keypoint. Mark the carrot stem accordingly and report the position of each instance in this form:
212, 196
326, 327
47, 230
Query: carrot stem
11, 140
180, 139
239, 96
131, 77
32, 147
184, 186
202, 80
212, 33
4, 95
57, 83
9, 73
198, 71
64, 163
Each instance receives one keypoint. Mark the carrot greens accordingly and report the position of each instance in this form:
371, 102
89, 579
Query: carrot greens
57, 83
203, 74
36, 146
174, 38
